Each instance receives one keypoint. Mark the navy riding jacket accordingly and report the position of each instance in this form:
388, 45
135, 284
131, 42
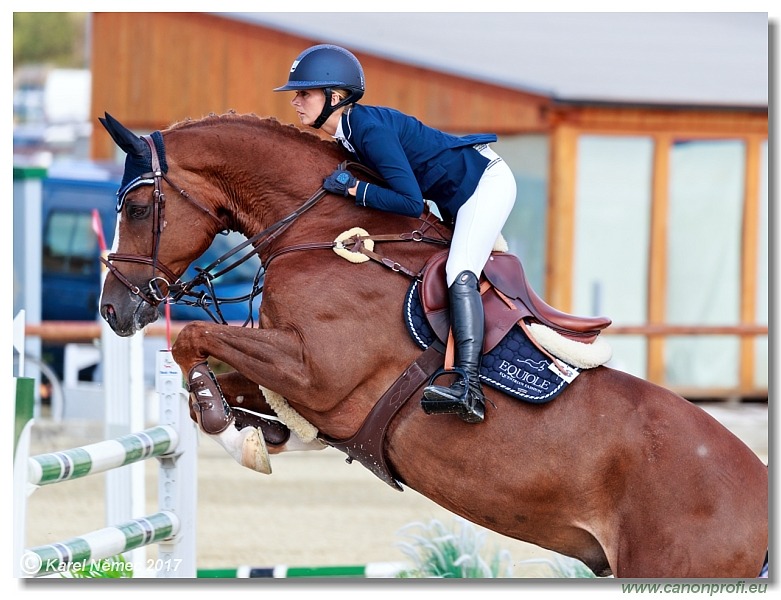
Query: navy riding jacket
415, 160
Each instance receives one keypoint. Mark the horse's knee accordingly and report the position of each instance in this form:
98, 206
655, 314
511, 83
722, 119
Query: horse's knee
186, 349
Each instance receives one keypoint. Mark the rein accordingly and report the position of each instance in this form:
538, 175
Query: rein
177, 291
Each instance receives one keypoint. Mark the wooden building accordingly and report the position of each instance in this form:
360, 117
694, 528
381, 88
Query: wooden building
645, 199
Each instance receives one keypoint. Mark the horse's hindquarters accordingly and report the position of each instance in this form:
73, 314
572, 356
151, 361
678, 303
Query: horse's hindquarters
615, 472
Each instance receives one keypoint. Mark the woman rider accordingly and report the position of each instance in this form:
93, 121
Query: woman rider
472, 187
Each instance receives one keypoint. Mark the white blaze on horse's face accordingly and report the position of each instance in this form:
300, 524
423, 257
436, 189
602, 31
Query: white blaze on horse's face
115, 243
114, 246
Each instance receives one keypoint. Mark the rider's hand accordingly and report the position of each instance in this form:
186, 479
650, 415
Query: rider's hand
340, 182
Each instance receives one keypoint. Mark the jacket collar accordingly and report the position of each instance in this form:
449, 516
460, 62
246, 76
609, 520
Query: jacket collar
344, 131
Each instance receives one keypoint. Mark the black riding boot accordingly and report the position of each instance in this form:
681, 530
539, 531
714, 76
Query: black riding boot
464, 397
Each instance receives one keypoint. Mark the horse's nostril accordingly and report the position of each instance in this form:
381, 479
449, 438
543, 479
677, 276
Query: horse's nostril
108, 313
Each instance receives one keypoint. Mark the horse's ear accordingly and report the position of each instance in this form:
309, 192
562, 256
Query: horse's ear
123, 137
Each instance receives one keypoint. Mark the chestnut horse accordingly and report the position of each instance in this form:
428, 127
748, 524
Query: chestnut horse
619, 473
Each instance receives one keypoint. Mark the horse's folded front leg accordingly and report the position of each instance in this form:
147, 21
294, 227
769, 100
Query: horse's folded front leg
248, 437
216, 419
207, 401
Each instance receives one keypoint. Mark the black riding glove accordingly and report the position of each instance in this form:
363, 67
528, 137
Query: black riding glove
339, 182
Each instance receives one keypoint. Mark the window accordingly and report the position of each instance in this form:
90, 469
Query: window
703, 260
527, 157
612, 225
69, 244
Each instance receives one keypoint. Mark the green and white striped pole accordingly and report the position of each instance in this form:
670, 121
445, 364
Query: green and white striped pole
97, 545
102, 456
366, 571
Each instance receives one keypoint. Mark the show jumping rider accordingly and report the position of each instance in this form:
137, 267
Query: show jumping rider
472, 187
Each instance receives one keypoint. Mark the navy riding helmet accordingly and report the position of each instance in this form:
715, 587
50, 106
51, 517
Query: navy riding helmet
326, 67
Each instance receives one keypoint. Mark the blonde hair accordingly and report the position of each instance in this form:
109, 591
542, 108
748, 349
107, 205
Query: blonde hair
342, 93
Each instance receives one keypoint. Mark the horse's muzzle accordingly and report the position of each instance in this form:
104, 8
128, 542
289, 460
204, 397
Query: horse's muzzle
126, 322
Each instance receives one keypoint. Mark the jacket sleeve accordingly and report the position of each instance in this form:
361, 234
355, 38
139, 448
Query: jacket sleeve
382, 148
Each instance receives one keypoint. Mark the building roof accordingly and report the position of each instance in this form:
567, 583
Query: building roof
703, 59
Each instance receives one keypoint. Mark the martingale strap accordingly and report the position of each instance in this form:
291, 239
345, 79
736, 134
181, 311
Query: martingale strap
367, 446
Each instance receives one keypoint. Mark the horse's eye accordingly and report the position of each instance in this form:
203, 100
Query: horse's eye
138, 211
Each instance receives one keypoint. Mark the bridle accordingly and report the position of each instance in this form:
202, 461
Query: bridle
160, 289
154, 295
175, 289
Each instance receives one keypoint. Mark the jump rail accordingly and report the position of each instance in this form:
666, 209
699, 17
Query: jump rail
103, 543
79, 462
173, 443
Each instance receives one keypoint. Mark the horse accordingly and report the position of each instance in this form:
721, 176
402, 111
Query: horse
624, 475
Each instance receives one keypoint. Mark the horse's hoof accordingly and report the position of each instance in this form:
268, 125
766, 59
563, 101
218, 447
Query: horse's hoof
254, 453
247, 447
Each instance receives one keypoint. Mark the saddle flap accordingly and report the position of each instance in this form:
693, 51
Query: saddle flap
499, 317
504, 272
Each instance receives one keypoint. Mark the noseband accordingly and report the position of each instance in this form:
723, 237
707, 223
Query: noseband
154, 294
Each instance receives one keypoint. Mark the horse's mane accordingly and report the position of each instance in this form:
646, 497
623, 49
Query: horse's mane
250, 120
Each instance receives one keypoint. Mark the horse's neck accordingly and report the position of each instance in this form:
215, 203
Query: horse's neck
277, 181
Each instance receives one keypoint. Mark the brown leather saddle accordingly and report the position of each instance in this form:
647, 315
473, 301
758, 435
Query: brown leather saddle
507, 299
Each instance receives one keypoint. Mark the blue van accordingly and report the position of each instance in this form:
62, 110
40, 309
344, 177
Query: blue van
71, 268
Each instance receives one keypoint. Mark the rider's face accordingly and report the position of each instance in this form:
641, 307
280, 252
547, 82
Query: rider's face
308, 104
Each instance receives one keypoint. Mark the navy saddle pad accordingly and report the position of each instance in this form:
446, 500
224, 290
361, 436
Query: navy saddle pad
515, 366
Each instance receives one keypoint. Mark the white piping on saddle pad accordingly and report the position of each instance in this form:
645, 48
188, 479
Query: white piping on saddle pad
305, 431
576, 354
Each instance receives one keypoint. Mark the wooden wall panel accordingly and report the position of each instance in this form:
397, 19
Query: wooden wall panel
684, 122
562, 169
657, 254
153, 69
749, 256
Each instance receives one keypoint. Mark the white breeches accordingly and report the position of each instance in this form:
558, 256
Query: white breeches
480, 220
